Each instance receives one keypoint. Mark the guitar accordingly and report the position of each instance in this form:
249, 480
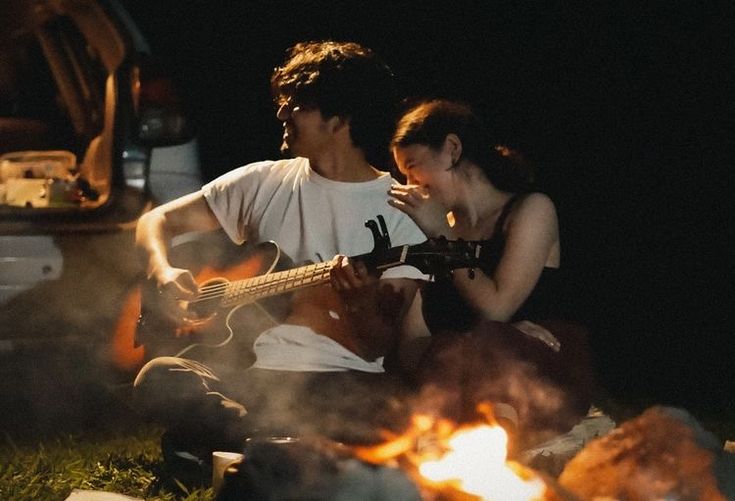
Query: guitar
258, 280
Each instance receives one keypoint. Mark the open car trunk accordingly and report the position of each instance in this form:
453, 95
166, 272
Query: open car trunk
66, 96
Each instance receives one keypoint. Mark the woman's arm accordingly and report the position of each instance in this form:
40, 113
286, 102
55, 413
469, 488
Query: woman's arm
531, 242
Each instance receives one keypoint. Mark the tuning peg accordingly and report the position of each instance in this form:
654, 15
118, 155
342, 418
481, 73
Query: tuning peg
471, 273
444, 274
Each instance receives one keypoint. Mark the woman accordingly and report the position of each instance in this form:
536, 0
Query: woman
496, 333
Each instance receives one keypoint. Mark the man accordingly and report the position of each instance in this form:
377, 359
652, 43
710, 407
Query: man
318, 371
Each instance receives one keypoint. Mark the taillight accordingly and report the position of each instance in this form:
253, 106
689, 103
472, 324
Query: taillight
160, 109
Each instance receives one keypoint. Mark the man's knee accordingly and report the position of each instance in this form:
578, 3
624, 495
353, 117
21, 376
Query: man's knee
155, 377
164, 382
155, 369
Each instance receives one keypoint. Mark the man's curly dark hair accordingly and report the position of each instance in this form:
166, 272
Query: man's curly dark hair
347, 80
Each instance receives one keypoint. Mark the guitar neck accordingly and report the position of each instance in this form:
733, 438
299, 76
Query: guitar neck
436, 255
280, 282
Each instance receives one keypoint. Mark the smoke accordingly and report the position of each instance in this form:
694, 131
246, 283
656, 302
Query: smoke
498, 364
56, 334
348, 407
494, 364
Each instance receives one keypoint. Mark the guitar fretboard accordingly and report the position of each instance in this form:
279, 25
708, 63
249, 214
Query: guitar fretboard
252, 289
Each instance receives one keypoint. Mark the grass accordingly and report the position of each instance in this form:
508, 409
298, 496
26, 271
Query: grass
64, 426
123, 462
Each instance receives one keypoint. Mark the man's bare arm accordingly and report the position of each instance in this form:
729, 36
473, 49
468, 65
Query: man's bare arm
154, 232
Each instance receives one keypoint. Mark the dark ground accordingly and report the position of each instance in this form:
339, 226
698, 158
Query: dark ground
625, 108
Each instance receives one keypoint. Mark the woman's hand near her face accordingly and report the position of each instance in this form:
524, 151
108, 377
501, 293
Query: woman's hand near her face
427, 212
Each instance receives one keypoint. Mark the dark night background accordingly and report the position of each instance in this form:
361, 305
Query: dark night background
626, 108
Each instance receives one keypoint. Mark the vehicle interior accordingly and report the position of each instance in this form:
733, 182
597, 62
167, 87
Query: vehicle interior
57, 106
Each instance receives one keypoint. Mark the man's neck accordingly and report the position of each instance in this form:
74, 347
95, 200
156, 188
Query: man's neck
347, 165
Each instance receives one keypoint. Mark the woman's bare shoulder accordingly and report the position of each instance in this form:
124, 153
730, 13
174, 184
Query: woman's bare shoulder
534, 205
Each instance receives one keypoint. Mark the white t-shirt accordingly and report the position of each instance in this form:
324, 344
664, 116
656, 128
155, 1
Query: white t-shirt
311, 218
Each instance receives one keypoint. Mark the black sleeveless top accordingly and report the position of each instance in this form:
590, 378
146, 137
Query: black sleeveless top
445, 310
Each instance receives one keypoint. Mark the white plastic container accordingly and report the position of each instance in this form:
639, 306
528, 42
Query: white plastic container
55, 164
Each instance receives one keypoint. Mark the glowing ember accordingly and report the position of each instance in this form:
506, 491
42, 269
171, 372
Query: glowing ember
470, 460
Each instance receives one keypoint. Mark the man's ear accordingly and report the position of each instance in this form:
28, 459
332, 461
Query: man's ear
338, 123
453, 147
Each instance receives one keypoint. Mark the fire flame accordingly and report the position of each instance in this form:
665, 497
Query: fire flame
475, 463
471, 459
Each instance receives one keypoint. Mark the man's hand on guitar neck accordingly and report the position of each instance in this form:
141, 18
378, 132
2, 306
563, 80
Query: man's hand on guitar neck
349, 276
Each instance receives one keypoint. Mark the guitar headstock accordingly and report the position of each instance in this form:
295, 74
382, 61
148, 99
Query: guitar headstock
436, 256
381, 238
439, 256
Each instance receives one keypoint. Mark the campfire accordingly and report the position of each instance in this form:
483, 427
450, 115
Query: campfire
458, 462
437, 460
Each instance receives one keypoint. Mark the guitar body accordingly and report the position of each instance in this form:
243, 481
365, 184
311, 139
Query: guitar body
146, 330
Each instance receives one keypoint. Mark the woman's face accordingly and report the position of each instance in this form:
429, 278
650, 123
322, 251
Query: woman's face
427, 168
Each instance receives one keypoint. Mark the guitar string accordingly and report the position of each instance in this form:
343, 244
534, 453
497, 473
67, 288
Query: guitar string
281, 285
213, 290
313, 269
218, 290
279, 277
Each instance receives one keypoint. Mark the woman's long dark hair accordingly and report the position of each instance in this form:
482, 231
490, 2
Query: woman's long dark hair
429, 122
